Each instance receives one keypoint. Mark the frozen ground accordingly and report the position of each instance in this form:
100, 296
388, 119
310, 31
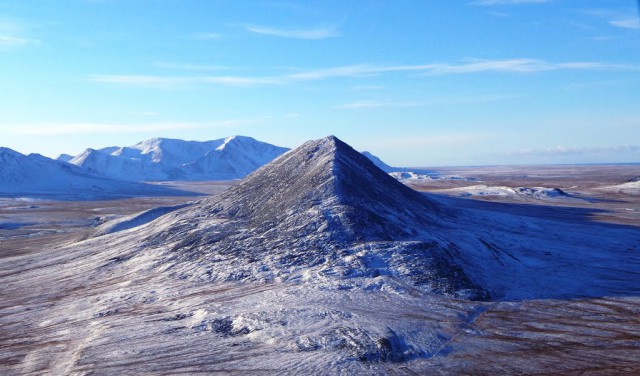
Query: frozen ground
69, 308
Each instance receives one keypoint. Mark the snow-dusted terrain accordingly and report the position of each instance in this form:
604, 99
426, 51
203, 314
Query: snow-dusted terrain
36, 175
631, 187
412, 177
170, 159
517, 193
321, 263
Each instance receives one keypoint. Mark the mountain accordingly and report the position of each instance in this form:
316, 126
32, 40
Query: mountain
312, 209
170, 159
353, 197
35, 174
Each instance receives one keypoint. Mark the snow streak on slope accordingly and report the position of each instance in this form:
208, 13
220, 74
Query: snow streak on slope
168, 159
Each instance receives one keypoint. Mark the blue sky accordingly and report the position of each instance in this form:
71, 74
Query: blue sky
416, 82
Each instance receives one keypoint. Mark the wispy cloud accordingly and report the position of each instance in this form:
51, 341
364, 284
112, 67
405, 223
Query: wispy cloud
12, 34
626, 23
363, 70
206, 36
563, 150
141, 80
506, 2
627, 19
58, 129
369, 104
320, 32
176, 82
192, 67
12, 41
433, 102
367, 88
522, 66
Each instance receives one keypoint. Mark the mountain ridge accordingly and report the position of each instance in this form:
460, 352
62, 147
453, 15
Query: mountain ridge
160, 159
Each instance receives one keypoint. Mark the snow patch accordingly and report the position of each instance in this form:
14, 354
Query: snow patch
537, 193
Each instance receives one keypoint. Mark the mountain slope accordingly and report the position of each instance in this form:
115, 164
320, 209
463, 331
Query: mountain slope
170, 159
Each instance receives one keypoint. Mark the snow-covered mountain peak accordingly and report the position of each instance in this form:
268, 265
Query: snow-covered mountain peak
153, 143
173, 159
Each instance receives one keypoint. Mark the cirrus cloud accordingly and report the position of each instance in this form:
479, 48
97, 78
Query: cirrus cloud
320, 32
506, 2
516, 66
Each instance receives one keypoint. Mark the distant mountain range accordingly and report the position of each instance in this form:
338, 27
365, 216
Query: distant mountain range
170, 159
35, 174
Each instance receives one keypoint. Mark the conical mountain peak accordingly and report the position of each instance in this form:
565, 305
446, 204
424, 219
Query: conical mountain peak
327, 180
311, 211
